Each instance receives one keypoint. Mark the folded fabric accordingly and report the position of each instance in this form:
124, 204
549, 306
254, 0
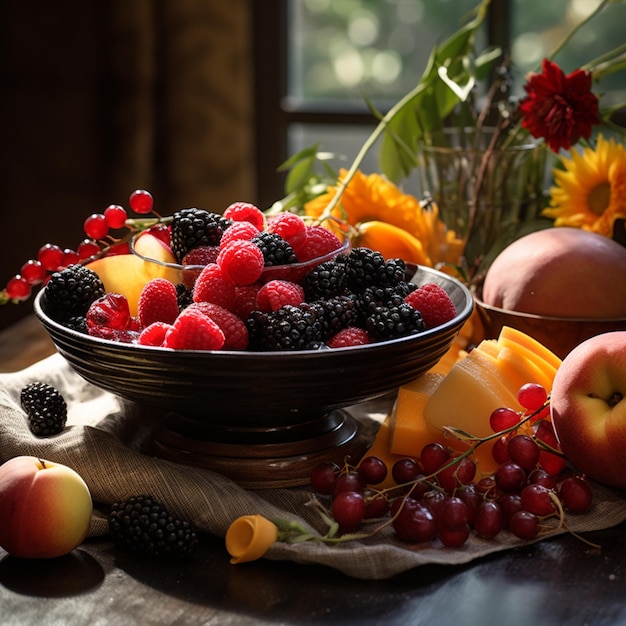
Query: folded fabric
95, 444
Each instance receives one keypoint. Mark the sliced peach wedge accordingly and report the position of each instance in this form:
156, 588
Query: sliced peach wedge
128, 273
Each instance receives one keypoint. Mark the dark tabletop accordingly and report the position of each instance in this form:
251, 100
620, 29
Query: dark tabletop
557, 582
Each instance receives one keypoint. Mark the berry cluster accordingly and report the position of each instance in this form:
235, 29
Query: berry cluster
99, 240
247, 281
45, 407
439, 496
143, 525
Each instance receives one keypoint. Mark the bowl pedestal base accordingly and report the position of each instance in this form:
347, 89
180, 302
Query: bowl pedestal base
262, 458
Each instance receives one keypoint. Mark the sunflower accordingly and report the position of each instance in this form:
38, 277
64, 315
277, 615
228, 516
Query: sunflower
590, 193
373, 198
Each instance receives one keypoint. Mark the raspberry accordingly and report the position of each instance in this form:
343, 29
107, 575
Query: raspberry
242, 261
238, 230
234, 329
277, 293
158, 302
351, 336
110, 311
200, 256
433, 303
213, 285
154, 334
318, 242
112, 334
245, 212
245, 300
290, 227
193, 330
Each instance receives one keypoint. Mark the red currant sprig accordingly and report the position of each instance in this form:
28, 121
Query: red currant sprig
99, 242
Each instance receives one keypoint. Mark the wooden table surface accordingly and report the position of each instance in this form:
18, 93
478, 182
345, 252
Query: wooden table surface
557, 582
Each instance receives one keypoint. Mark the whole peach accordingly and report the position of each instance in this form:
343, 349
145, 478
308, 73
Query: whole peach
45, 508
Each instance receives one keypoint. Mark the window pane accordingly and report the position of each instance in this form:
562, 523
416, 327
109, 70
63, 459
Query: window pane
341, 49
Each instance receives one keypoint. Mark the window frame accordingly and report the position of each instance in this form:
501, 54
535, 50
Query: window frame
274, 112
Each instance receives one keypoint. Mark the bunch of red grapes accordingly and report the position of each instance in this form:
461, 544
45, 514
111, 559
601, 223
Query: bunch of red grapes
438, 495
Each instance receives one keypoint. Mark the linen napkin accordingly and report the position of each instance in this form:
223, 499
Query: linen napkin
96, 443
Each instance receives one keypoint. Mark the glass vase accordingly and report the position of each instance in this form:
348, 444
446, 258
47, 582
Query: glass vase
483, 192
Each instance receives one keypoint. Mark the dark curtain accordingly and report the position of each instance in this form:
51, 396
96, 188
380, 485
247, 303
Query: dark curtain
99, 98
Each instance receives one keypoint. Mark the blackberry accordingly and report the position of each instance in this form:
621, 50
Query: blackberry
195, 227
338, 313
144, 526
275, 249
287, 328
368, 268
387, 322
372, 297
45, 408
327, 280
77, 323
184, 296
69, 292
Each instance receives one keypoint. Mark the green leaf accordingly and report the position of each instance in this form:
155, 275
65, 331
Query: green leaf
300, 174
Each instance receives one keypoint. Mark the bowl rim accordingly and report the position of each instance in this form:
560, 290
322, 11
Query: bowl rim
345, 246
547, 318
458, 320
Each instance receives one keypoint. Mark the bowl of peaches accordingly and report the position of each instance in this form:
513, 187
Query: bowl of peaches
250, 336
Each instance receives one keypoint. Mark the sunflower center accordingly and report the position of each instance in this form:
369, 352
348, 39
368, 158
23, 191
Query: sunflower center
599, 198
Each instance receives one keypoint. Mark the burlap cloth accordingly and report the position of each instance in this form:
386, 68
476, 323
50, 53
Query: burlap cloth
93, 445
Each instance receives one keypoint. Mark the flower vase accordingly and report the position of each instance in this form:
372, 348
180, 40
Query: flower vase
483, 193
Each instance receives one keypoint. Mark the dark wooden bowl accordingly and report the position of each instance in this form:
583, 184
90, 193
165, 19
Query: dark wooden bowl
559, 334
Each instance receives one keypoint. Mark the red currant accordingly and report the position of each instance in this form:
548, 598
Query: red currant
50, 257
87, 248
18, 288
115, 216
141, 201
33, 271
95, 226
70, 257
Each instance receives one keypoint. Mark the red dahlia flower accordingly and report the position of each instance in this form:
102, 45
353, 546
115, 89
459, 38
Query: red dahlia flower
559, 108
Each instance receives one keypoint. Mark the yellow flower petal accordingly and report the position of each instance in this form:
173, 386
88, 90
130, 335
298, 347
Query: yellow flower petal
590, 193
373, 198
249, 537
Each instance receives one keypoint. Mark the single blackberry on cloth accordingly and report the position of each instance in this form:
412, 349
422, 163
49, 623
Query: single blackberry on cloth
45, 407
71, 291
275, 249
143, 525
194, 227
